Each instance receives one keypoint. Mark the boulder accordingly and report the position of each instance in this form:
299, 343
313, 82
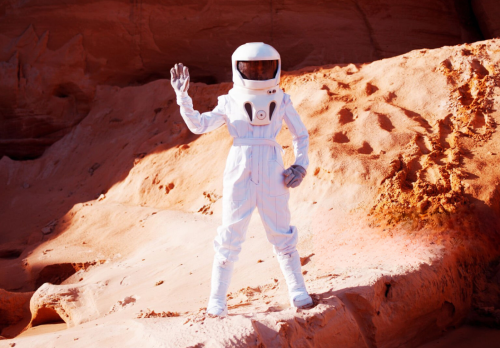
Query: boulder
74, 304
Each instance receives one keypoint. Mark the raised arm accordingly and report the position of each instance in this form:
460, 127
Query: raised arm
196, 122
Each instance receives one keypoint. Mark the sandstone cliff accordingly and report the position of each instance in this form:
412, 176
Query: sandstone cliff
54, 53
398, 216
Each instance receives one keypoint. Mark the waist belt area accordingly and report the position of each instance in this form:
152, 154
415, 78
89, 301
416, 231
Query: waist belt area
255, 158
256, 141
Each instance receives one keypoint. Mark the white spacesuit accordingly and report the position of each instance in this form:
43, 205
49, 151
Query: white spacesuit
253, 111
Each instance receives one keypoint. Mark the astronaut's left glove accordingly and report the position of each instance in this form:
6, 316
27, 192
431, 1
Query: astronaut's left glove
294, 175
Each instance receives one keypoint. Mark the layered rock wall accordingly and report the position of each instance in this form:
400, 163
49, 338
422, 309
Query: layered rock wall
53, 53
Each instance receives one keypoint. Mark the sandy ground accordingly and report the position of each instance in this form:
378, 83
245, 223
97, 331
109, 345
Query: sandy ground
127, 286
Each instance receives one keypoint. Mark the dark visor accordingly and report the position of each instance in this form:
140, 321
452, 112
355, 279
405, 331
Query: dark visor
258, 70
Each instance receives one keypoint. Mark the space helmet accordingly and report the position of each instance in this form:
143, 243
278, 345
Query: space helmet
256, 65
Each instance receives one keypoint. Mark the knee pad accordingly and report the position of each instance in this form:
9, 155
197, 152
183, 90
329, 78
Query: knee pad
290, 245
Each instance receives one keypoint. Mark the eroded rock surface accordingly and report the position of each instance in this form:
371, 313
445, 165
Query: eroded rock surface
13, 307
53, 54
69, 303
398, 216
44, 92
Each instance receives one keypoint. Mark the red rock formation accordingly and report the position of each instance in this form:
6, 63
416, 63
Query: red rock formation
487, 13
53, 53
136, 41
14, 308
44, 93
130, 185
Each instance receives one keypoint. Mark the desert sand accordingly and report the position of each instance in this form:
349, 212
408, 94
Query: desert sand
107, 237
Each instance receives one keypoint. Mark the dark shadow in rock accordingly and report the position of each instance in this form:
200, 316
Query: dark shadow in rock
328, 91
10, 253
469, 175
478, 120
345, 116
14, 312
370, 89
467, 153
416, 117
58, 273
46, 316
411, 176
384, 122
340, 137
266, 335
366, 149
363, 313
420, 141
389, 98
445, 128
479, 69
55, 274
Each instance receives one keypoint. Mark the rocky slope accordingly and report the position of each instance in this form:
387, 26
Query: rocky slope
54, 53
398, 216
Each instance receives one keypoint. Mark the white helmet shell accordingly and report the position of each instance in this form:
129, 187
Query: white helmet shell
255, 51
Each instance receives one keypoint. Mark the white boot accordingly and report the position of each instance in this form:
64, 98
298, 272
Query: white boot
221, 277
291, 268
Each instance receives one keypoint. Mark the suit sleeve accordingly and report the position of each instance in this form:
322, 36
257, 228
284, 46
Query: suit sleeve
299, 133
205, 122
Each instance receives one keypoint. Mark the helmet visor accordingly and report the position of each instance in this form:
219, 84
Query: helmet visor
258, 70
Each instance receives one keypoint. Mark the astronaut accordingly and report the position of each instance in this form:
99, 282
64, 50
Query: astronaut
253, 111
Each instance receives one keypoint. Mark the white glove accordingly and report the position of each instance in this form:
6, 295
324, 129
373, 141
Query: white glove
294, 175
179, 78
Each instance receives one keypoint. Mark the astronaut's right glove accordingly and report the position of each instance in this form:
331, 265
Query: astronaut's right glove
294, 175
179, 78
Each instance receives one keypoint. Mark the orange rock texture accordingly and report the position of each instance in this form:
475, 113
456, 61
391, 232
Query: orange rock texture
398, 216
54, 53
